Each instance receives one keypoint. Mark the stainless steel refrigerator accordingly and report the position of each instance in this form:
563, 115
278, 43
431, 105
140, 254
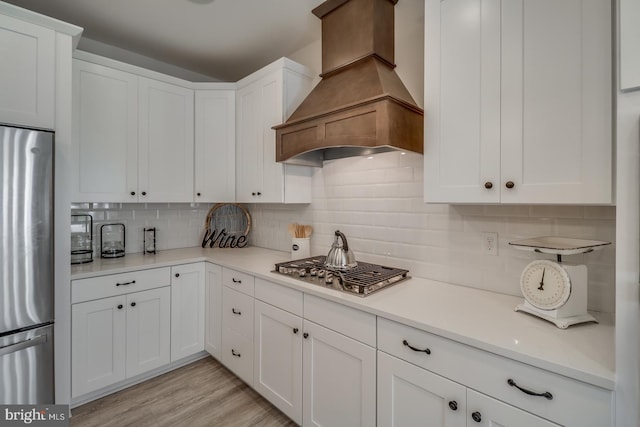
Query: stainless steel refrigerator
26, 266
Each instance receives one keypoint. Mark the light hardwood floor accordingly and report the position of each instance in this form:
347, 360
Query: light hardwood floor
203, 393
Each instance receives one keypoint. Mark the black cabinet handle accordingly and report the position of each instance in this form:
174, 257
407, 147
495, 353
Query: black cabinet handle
476, 416
233, 353
545, 394
305, 335
259, 193
295, 330
426, 350
488, 185
119, 306
177, 274
198, 194
233, 279
239, 313
510, 184
126, 283
453, 405
133, 304
144, 193
253, 193
133, 193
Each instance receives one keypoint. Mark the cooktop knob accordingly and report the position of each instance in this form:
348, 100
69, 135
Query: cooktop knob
302, 272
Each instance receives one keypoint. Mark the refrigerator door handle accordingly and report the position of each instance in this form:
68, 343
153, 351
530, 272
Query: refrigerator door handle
31, 342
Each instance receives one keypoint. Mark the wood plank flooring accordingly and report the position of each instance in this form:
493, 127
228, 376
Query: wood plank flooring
203, 393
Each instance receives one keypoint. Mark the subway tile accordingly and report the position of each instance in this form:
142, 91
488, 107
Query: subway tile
556, 211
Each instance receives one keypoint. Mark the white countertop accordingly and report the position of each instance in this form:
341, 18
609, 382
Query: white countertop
482, 319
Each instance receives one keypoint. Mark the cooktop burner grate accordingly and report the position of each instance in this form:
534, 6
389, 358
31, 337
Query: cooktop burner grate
362, 280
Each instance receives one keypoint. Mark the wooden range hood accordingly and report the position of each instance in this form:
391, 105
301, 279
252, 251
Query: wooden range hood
360, 106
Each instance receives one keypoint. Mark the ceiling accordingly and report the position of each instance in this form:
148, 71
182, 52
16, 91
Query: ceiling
222, 39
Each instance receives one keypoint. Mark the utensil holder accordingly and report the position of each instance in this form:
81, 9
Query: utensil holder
300, 247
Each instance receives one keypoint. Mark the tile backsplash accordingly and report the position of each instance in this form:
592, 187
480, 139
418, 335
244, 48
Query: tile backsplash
378, 203
179, 225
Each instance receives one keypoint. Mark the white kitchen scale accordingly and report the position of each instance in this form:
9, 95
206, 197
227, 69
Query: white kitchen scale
553, 290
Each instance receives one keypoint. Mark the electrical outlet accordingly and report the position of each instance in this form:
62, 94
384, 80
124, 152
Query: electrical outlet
490, 243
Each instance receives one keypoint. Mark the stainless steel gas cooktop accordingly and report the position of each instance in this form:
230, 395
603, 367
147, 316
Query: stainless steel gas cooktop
362, 280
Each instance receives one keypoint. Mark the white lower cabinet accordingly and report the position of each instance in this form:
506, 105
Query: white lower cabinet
411, 396
213, 310
483, 410
339, 379
119, 337
148, 330
187, 309
98, 336
278, 358
237, 333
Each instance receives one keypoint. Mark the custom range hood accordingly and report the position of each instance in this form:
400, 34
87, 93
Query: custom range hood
360, 106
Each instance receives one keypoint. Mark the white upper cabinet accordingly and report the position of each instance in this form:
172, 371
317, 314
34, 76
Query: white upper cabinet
265, 99
133, 137
165, 145
215, 146
105, 138
518, 101
27, 74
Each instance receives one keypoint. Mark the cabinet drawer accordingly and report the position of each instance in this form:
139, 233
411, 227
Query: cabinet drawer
237, 355
237, 313
280, 296
237, 280
119, 284
573, 403
340, 318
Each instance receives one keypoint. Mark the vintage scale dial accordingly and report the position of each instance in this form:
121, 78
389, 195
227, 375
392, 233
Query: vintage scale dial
545, 284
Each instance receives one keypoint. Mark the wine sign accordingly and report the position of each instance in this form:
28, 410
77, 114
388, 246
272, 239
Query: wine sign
223, 240
227, 226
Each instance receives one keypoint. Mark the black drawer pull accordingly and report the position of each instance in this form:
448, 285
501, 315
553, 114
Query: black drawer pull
133, 304
119, 306
239, 313
305, 335
233, 279
546, 394
426, 350
126, 283
295, 330
476, 416
233, 353
453, 405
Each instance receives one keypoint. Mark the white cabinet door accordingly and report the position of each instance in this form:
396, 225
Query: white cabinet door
263, 100
215, 146
462, 101
148, 330
250, 147
339, 379
411, 396
187, 309
518, 101
27, 74
98, 344
556, 101
483, 411
165, 142
213, 311
105, 134
278, 358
